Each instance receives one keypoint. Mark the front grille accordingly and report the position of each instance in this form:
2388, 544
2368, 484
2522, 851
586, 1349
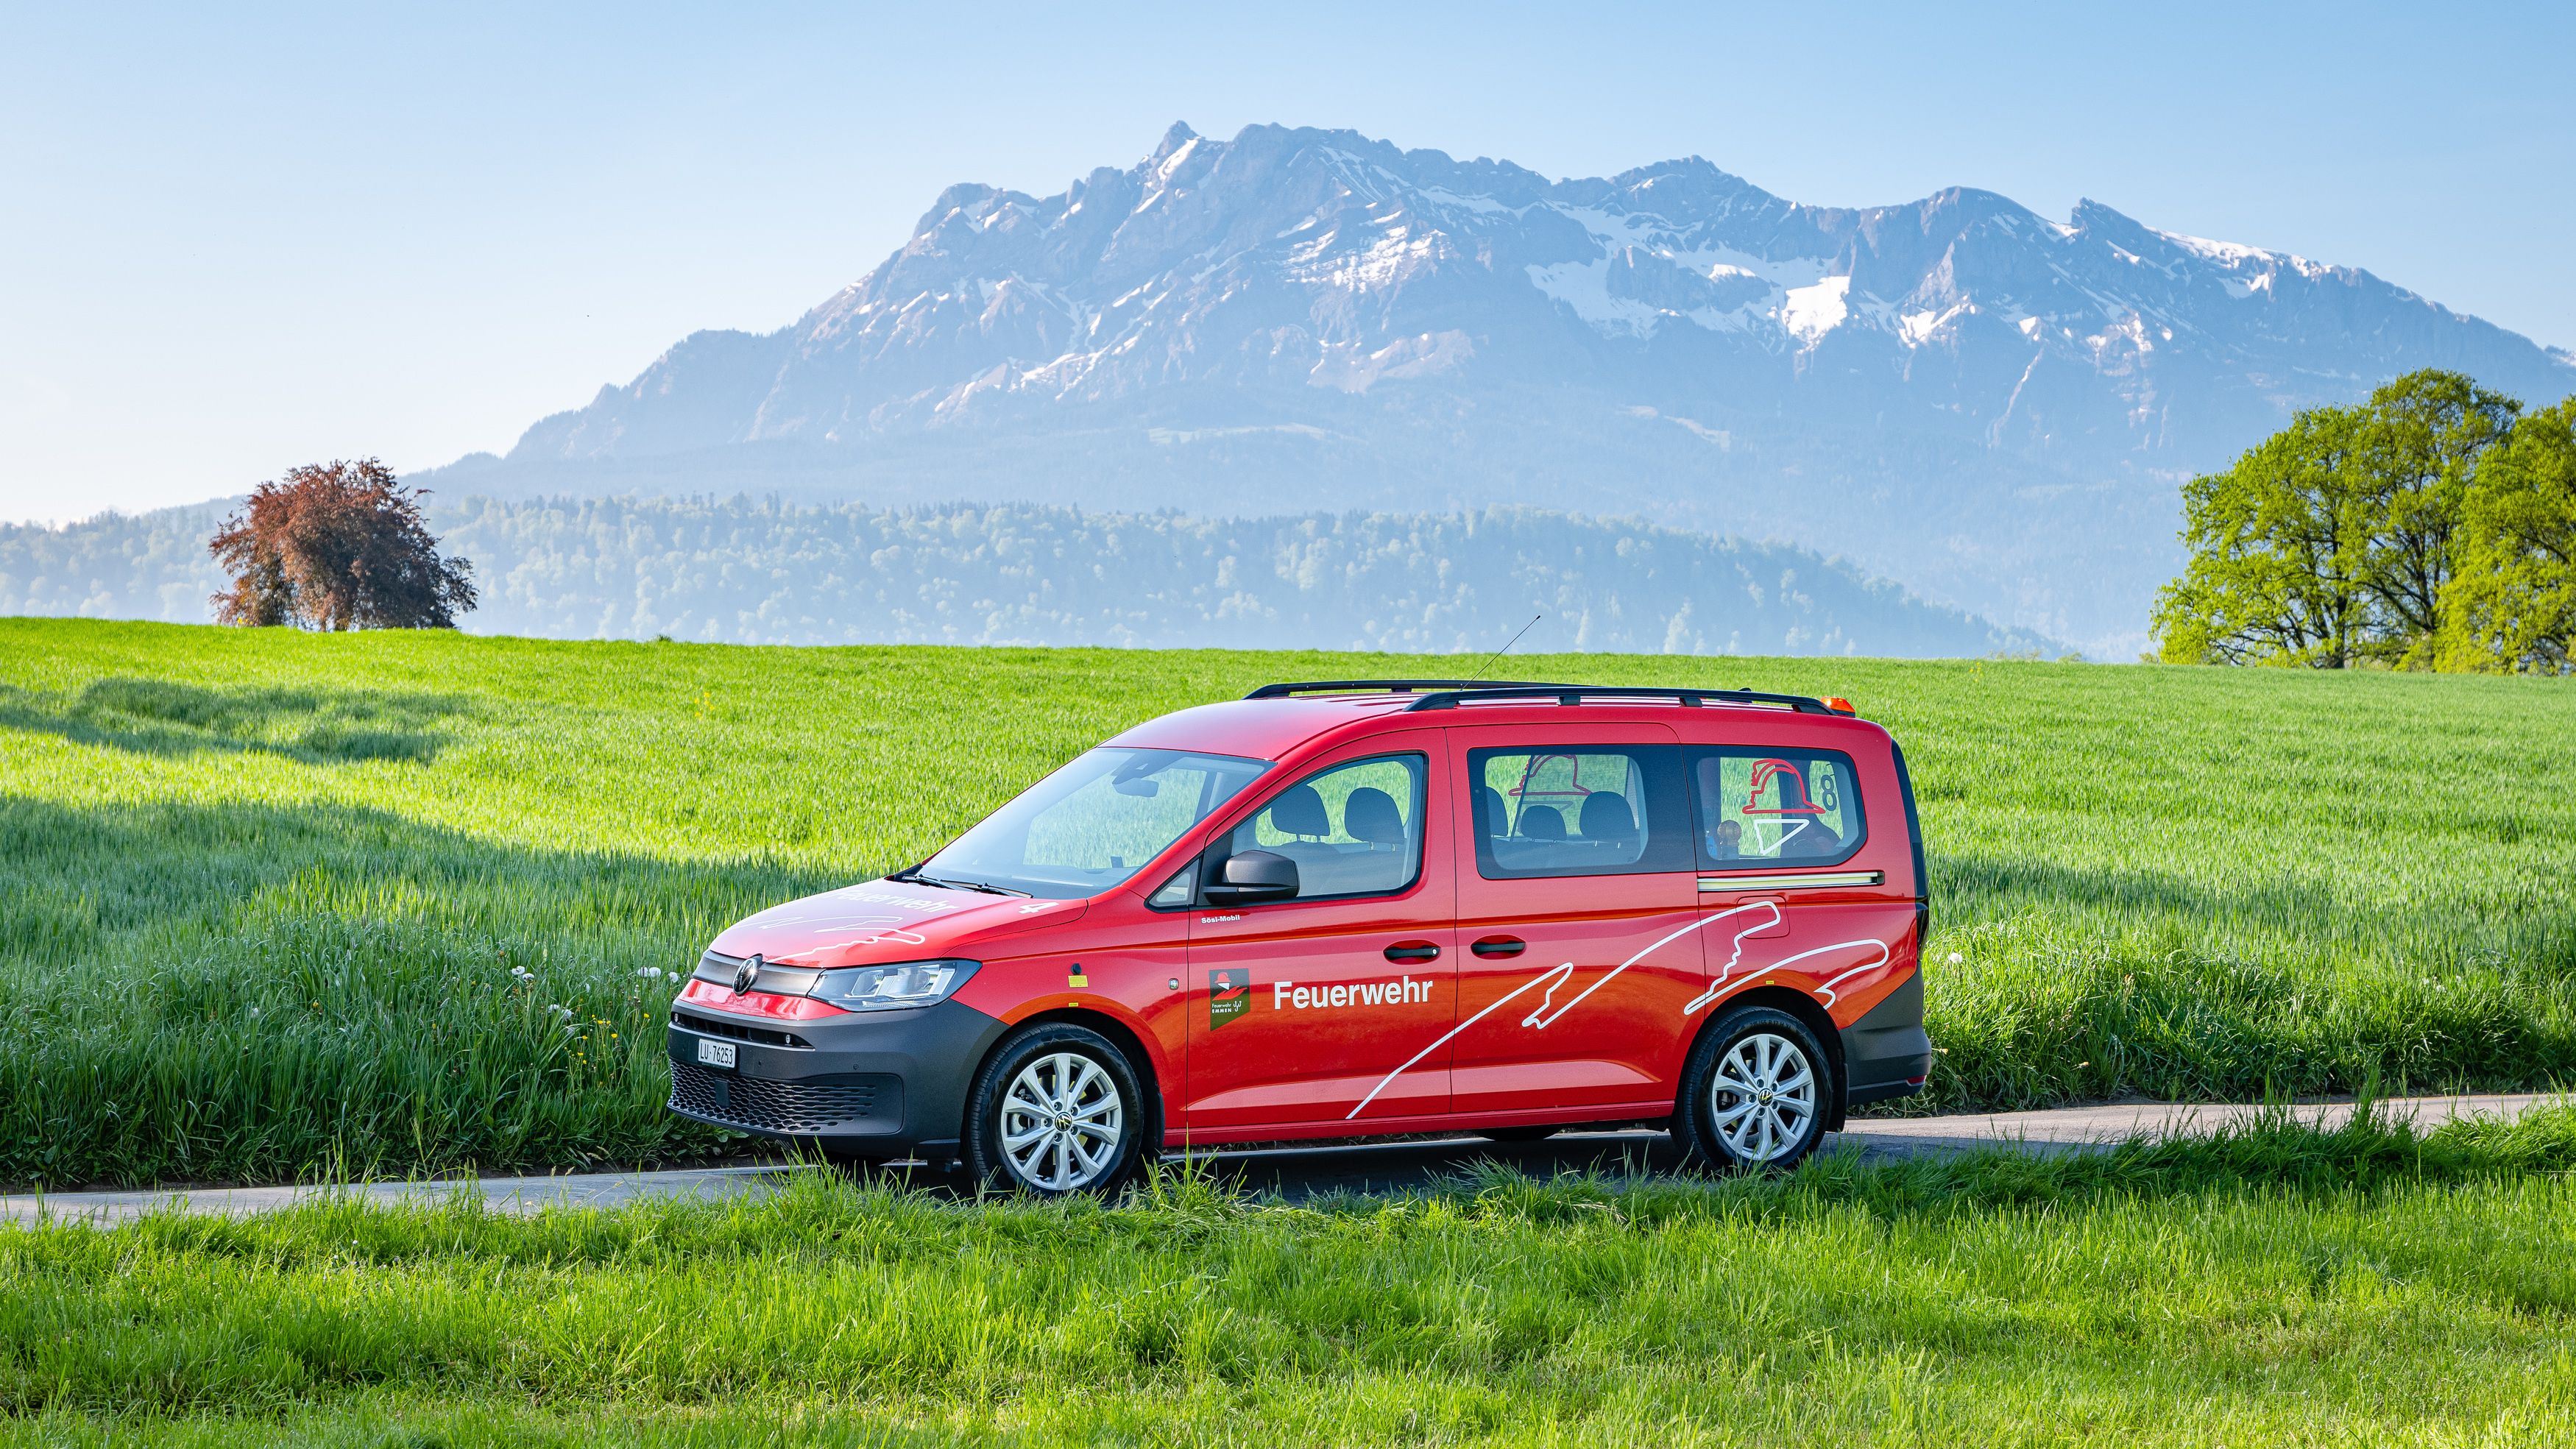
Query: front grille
766, 1036
718, 967
764, 1105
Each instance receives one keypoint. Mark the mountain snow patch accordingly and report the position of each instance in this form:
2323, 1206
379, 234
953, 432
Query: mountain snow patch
1918, 328
2231, 253
1584, 286
1345, 367
1811, 312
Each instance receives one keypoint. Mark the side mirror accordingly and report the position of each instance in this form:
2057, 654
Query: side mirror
1252, 876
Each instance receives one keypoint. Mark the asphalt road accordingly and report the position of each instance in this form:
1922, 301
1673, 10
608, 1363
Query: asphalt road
1294, 1172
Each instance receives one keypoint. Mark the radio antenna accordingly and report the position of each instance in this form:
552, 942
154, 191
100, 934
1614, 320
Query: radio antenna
1506, 649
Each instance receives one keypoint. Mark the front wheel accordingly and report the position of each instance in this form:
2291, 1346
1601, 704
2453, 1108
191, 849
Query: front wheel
1055, 1110
1753, 1094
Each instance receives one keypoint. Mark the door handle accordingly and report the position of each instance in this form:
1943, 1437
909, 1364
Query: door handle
1413, 951
1493, 947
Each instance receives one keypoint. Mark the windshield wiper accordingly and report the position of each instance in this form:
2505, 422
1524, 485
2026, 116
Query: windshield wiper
914, 876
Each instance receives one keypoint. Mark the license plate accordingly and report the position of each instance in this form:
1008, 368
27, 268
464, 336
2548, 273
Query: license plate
715, 1053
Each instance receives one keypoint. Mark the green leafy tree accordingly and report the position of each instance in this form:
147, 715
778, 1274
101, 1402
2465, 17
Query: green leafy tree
2280, 545
2513, 606
2424, 438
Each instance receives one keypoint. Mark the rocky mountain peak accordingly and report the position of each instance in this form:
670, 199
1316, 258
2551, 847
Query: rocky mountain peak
1294, 285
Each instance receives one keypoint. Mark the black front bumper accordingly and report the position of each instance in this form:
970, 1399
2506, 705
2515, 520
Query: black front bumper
866, 1084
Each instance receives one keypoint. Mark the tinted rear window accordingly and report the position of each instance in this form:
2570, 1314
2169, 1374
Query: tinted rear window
1761, 807
1578, 810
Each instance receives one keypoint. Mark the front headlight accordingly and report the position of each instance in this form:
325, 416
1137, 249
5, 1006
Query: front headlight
898, 987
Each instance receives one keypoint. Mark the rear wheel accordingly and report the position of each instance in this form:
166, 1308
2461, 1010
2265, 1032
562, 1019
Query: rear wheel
1055, 1110
1753, 1094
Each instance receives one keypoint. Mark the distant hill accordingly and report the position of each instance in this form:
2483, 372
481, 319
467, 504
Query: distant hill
1990, 405
767, 572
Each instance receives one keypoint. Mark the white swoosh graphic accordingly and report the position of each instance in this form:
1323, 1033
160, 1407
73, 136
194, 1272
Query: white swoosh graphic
1718, 987
1557, 973
1541, 1018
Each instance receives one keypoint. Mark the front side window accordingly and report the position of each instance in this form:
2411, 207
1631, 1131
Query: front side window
1089, 826
1354, 829
1582, 810
1771, 807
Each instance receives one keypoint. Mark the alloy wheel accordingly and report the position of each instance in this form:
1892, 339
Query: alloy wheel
1061, 1121
1762, 1097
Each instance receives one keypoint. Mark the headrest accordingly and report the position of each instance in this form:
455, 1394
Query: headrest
1607, 817
1497, 819
1299, 811
1541, 822
1370, 815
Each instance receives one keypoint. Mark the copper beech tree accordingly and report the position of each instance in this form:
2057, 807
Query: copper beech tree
338, 546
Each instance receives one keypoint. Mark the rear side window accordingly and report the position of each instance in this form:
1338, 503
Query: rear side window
1354, 829
1581, 810
1775, 807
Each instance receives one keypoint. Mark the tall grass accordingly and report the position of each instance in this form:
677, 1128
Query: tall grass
2275, 1286
272, 903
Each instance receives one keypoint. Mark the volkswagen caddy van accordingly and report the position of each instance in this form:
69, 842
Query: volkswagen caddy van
1331, 910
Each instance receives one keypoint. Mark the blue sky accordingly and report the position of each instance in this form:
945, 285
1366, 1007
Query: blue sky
232, 242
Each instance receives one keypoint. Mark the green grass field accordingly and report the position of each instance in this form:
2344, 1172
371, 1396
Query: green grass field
275, 904
2276, 1287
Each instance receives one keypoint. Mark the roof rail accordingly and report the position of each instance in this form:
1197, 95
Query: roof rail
1577, 693
1392, 686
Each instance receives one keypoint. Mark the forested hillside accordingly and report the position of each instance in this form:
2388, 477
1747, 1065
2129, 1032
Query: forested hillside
750, 571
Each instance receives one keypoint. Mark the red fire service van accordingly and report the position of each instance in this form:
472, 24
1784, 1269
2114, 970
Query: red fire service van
1358, 907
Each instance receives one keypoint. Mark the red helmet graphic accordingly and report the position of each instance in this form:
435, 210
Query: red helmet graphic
1789, 788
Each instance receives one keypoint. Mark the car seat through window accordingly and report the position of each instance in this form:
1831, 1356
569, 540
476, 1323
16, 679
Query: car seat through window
1541, 822
1300, 811
1370, 816
1607, 818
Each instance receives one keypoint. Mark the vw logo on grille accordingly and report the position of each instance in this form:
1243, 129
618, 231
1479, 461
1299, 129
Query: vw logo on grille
747, 975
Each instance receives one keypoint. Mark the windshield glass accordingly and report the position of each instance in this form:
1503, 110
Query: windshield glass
1094, 823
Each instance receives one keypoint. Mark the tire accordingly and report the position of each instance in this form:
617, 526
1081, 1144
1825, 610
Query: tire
1517, 1134
1755, 1092
1022, 1135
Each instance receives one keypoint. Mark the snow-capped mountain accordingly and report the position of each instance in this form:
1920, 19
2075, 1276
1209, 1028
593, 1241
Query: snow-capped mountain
1993, 406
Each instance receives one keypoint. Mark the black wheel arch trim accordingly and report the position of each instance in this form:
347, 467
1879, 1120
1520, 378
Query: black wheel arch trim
1122, 1036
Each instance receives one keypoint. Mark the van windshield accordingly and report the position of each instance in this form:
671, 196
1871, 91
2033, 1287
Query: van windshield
1093, 824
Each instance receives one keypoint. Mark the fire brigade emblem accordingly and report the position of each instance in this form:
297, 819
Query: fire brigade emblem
1229, 995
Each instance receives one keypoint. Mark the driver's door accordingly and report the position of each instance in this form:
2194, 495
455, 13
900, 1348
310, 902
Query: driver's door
1331, 1006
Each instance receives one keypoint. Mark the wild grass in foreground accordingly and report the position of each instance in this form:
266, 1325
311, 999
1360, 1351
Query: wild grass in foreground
275, 904
2274, 1286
